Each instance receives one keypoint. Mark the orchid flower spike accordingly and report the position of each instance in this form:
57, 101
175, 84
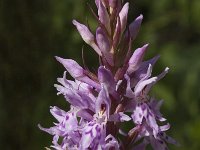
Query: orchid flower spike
102, 103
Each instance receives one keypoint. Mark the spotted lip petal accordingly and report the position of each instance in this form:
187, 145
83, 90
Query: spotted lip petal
112, 143
85, 114
93, 135
145, 116
142, 111
67, 122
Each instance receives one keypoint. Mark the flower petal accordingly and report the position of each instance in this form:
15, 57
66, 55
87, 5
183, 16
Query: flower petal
129, 92
112, 143
104, 45
103, 16
143, 69
93, 134
77, 72
142, 145
52, 130
123, 16
85, 114
134, 27
113, 3
157, 78
136, 59
165, 127
158, 144
72, 67
139, 87
58, 113
105, 77
119, 117
103, 100
86, 35
139, 113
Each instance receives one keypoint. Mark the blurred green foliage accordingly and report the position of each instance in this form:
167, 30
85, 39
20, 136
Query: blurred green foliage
33, 32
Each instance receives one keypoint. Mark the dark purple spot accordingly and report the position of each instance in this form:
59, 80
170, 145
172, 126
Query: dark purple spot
140, 115
67, 117
143, 107
99, 137
167, 137
147, 115
97, 129
161, 133
161, 142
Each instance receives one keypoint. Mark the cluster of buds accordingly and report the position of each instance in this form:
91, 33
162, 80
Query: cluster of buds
102, 104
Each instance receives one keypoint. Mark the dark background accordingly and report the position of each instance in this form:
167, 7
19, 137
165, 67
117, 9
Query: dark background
33, 32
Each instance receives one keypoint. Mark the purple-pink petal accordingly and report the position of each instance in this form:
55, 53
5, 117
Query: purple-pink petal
136, 59
103, 16
105, 77
86, 35
134, 27
103, 101
77, 72
104, 45
123, 16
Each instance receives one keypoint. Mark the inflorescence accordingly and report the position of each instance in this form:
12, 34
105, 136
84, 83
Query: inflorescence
100, 104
